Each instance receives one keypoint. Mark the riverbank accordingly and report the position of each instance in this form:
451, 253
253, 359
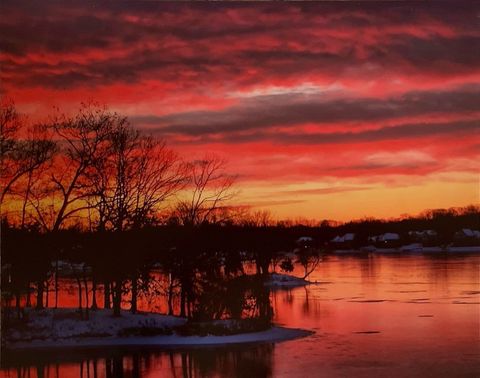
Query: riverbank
62, 328
407, 249
285, 280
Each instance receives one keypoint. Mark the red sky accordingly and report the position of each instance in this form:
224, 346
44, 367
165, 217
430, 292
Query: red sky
324, 110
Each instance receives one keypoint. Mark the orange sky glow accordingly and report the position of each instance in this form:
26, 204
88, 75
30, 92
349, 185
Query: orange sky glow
323, 110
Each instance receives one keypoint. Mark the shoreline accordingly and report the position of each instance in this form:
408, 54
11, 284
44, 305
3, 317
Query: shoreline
274, 334
407, 250
61, 328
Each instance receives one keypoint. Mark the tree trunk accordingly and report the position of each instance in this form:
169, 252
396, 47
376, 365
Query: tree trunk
39, 295
258, 266
94, 293
17, 303
25, 198
118, 366
189, 302
117, 298
170, 296
40, 371
265, 265
79, 284
85, 283
133, 307
47, 291
106, 295
182, 300
136, 366
184, 365
108, 368
56, 283
28, 301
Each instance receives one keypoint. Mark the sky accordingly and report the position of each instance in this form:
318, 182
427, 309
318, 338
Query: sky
322, 110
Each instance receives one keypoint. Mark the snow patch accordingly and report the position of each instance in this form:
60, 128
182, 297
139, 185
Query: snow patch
62, 328
281, 280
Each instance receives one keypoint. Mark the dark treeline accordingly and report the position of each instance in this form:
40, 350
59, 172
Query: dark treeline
445, 222
204, 266
194, 260
91, 195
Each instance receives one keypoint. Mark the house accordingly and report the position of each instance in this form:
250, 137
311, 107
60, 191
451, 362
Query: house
304, 242
426, 237
386, 240
343, 242
466, 237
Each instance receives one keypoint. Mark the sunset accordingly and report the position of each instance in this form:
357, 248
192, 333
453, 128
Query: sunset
240, 189
323, 111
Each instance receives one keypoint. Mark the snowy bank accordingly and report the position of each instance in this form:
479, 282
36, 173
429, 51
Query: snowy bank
65, 323
285, 280
61, 328
274, 334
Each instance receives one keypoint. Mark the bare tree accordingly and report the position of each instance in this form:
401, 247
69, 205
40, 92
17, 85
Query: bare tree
210, 190
132, 184
82, 141
260, 218
135, 180
309, 258
19, 156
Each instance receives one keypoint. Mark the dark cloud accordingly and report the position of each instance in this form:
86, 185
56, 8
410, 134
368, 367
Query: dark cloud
321, 191
238, 43
435, 53
263, 112
405, 131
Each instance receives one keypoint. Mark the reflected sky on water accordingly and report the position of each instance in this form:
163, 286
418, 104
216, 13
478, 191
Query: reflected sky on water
391, 316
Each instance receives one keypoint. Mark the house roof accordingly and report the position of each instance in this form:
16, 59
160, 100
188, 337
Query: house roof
470, 233
304, 239
388, 236
344, 238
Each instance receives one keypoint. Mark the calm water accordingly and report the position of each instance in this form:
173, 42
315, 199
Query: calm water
389, 316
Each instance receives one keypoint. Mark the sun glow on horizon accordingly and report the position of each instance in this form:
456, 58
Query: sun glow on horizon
324, 111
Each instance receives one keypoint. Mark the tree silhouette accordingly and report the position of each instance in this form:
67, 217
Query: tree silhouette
209, 189
19, 156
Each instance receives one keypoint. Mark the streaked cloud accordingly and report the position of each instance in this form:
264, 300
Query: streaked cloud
361, 96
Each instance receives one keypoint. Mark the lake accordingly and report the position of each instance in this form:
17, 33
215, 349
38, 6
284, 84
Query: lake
378, 315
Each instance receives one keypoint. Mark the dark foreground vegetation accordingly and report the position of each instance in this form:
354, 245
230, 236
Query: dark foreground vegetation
201, 268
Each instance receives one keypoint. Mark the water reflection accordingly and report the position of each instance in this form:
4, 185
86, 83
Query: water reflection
246, 361
390, 316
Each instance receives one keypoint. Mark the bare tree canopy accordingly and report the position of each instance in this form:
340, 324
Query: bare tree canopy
135, 179
20, 155
93, 168
210, 188
82, 142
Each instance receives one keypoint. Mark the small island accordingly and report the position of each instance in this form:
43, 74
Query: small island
63, 328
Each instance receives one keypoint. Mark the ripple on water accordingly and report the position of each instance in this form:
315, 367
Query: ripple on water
366, 332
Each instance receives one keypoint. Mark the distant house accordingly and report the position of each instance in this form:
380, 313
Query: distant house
466, 233
467, 236
386, 240
426, 237
304, 242
343, 242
